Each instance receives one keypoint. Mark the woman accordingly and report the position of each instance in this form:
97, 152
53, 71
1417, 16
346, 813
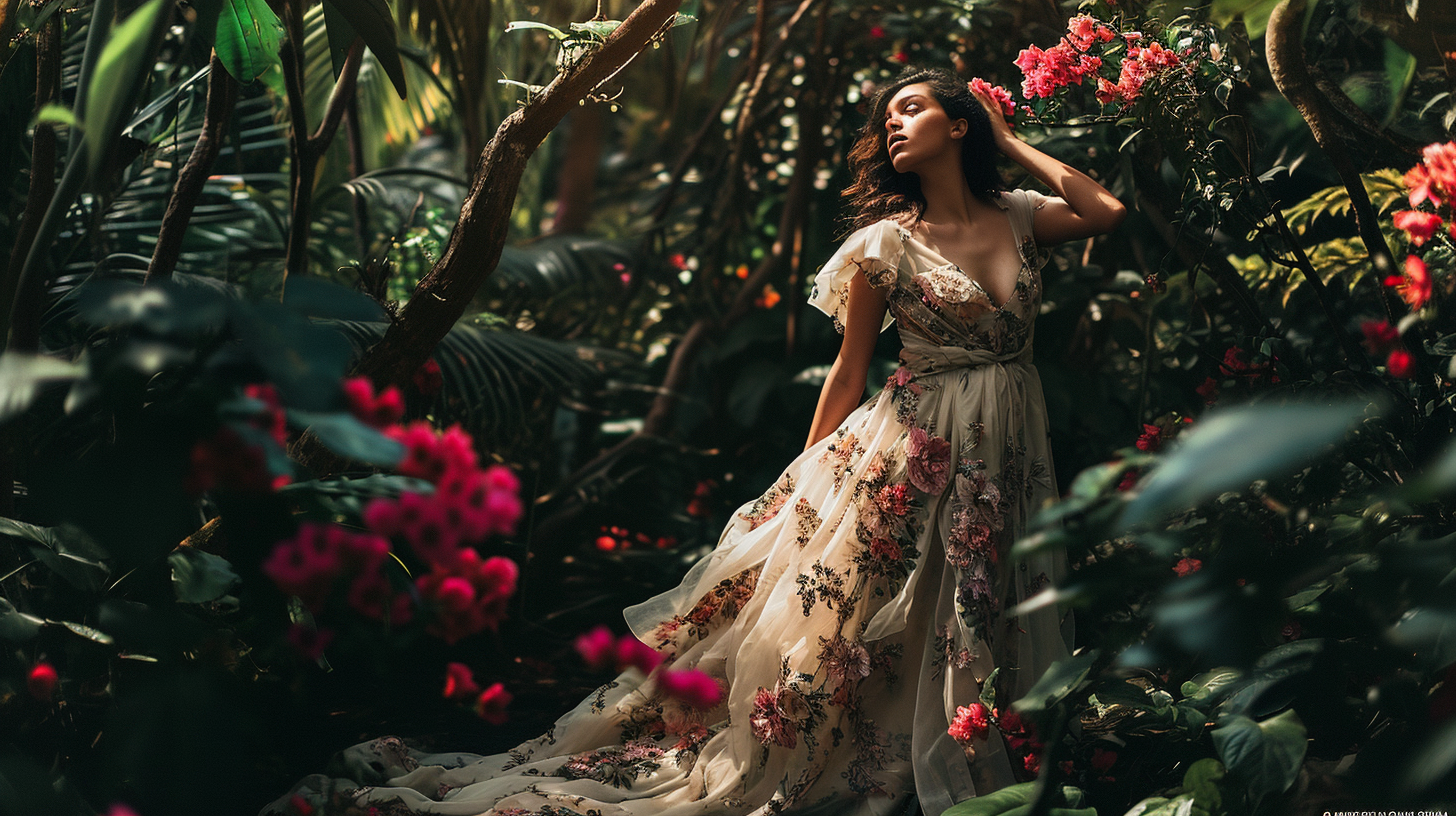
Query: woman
853, 606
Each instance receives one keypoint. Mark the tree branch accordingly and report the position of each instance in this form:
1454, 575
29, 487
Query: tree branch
222, 96
479, 236
307, 150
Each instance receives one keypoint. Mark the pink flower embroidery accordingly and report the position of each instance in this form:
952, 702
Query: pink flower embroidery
929, 461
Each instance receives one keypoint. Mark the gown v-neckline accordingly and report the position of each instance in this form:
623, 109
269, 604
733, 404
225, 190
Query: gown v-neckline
949, 264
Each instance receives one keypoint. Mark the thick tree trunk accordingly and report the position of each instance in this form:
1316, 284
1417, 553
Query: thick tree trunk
1284, 44
222, 97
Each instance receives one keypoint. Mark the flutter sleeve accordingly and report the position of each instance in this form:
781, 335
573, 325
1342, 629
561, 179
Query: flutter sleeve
876, 250
1023, 205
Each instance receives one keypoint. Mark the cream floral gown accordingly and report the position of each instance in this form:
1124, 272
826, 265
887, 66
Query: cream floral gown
846, 612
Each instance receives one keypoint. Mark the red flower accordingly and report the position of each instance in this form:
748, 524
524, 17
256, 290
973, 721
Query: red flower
277, 422
1208, 390
1233, 364
1415, 286
459, 682
1128, 480
226, 460
1438, 176
42, 681
693, 687
1380, 336
632, 652
900, 57
1401, 364
997, 93
1151, 438
1103, 760
1420, 226
308, 641
491, 704
1032, 763
381, 410
428, 379
596, 647
877, 31
469, 595
885, 549
1187, 566
1291, 630
971, 722
307, 564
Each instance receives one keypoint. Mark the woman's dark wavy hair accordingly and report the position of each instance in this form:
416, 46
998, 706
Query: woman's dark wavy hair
878, 192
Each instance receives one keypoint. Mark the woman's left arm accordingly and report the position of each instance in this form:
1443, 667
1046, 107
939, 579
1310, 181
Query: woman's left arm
1086, 208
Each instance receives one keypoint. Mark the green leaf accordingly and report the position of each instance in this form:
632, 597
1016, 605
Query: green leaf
1227, 450
1016, 800
67, 550
1060, 680
1431, 763
199, 577
245, 33
1255, 13
341, 38
23, 375
120, 73
1429, 632
347, 436
16, 625
87, 632
1400, 69
1265, 756
56, 115
1209, 685
1159, 806
523, 25
372, 20
988, 690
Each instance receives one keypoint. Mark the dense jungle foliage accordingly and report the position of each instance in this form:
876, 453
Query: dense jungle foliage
361, 349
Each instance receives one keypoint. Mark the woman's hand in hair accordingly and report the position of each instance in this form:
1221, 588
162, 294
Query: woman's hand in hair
1000, 129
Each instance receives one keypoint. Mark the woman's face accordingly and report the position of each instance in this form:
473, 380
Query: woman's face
918, 130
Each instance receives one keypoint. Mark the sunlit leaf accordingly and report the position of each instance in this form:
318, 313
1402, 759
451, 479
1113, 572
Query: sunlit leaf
120, 71
88, 632
245, 33
56, 115
1229, 449
23, 375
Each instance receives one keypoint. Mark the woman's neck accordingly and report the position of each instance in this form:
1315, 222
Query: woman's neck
948, 199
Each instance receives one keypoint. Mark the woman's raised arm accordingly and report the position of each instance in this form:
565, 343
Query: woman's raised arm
1086, 208
845, 384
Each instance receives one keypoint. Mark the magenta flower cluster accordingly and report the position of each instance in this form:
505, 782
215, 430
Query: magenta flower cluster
599, 649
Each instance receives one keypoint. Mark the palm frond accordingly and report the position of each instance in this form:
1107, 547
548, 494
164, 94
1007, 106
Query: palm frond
496, 381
